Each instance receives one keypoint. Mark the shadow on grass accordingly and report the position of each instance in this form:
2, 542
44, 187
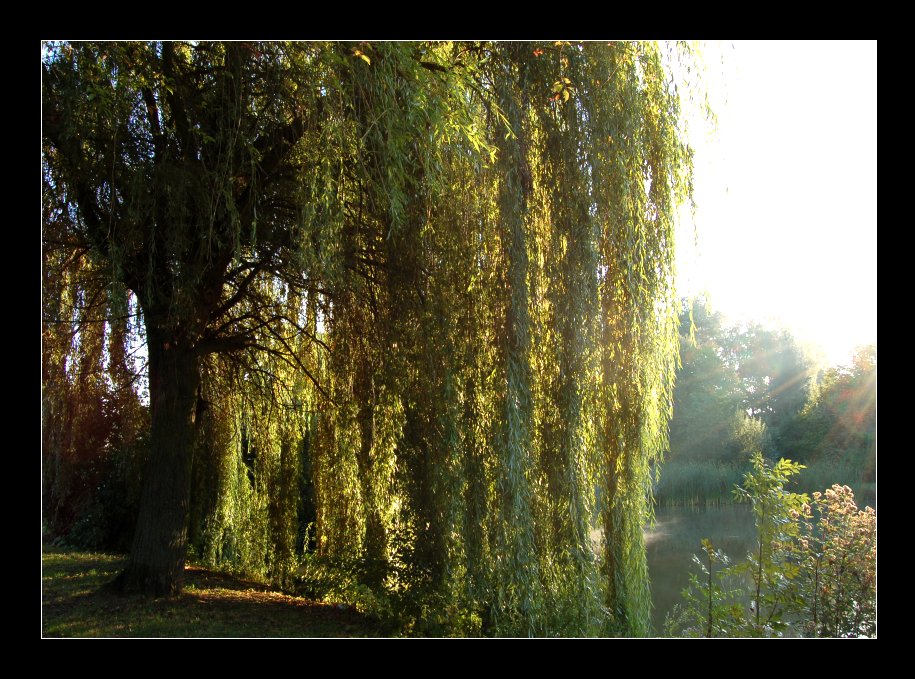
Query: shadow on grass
76, 604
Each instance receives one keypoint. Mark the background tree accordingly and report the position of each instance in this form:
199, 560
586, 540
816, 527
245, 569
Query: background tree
774, 371
730, 378
709, 397
839, 422
742, 389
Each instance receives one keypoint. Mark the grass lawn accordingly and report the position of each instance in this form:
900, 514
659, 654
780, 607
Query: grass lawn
75, 604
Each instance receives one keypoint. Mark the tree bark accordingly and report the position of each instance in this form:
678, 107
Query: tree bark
156, 565
375, 539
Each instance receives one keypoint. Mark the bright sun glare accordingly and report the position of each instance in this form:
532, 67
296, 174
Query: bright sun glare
787, 191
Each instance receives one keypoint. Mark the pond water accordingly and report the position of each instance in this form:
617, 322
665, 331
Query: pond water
676, 536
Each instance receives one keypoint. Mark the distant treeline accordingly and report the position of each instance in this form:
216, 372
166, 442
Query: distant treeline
746, 388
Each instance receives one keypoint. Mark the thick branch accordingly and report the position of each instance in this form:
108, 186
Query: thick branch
273, 150
152, 112
241, 290
175, 102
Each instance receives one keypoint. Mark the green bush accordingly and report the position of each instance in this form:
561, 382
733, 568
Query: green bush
405, 604
108, 518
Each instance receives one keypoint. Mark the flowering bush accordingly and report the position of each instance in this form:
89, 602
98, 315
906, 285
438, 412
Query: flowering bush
840, 565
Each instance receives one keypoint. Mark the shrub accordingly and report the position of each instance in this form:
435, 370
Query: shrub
840, 565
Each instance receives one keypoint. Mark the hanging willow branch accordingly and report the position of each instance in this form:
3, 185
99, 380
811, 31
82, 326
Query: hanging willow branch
431, 283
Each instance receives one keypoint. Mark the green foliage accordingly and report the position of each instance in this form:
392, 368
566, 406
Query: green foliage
708, 393
774, 372
741, 389
697, 483
826, 472
712, 604
839, 422
108, 521
812, 573
637, 336
772, 566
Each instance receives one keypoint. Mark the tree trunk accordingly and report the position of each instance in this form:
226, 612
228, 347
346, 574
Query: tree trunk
156, 564
375, 548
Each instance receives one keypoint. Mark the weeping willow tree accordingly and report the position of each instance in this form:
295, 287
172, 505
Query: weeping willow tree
434, 278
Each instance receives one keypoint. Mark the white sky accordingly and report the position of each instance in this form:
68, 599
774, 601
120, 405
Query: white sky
787, 193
